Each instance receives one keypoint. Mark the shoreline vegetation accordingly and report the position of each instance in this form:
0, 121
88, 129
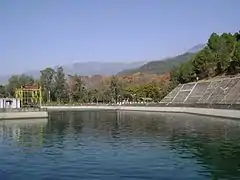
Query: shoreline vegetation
219, 58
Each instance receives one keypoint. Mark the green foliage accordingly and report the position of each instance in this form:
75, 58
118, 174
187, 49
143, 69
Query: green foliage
221, 56
236, 54
115, 88
60, 86
47, 81
58, 89
151, 90
16, 81
3, 92
204, 64
77, 91
186, 73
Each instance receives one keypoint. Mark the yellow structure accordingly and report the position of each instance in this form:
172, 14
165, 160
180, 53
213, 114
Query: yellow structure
30, 96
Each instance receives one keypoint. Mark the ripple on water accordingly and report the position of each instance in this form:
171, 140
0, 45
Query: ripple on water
103, 145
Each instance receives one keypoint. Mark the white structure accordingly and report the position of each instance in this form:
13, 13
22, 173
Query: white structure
9, 103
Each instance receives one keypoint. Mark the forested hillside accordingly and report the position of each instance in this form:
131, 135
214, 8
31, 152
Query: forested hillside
220, 57
161, 66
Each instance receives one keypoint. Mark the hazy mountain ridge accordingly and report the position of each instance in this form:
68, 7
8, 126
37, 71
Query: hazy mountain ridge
164, 65
197, 48
86, 69
100, 68
119, 68
160, 66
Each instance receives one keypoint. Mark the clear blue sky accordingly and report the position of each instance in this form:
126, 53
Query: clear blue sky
39, 33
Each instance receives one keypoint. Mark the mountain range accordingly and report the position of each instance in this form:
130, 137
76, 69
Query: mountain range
86, 69
159, 67
120, 68
164, 65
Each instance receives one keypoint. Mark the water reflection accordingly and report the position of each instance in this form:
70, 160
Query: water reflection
160, 145
24, 132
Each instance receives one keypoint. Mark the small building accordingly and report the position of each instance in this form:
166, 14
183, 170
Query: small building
10, 103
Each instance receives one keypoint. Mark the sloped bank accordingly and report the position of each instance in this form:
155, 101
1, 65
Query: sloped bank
224, 113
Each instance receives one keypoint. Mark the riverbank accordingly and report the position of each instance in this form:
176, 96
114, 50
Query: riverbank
224, 113
23, 115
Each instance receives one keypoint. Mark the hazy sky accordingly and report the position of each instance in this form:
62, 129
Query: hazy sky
39, 33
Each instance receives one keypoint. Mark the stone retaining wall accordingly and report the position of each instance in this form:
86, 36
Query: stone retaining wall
216, 93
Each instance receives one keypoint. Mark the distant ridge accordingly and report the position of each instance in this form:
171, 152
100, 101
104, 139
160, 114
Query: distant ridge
119, 68
159, 67
164, 65
86, 69
196, 48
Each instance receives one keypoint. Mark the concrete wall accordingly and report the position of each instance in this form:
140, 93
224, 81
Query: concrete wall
23, 115
214, 92
224, 113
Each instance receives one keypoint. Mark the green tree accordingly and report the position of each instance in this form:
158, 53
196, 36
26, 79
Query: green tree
93, 95
235, 63
16, 81
215, 45
221, 47
3, 92
228, 42
204, 64
235, 56
26, 80
115, 89
13, 83
174, 74
60, 86
77, 89
47, 83
220, 56
151, 90
186, 73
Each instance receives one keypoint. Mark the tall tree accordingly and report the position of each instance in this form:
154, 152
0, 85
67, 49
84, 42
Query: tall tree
115, 88
47, 82
76, 89
60, 85
26, 80
236, 55
235, 64
16, 81
221, 47
204, 64
186, 73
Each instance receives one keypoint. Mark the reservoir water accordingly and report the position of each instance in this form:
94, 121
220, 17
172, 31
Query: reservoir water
125, 145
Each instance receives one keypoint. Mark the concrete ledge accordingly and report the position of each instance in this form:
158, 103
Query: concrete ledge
13, 122
23, 115
224, 113
79, 108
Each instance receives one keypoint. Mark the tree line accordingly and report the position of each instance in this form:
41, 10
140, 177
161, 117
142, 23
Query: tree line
61, 88
221, 56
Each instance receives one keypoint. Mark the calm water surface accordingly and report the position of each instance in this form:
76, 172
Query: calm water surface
109, 145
